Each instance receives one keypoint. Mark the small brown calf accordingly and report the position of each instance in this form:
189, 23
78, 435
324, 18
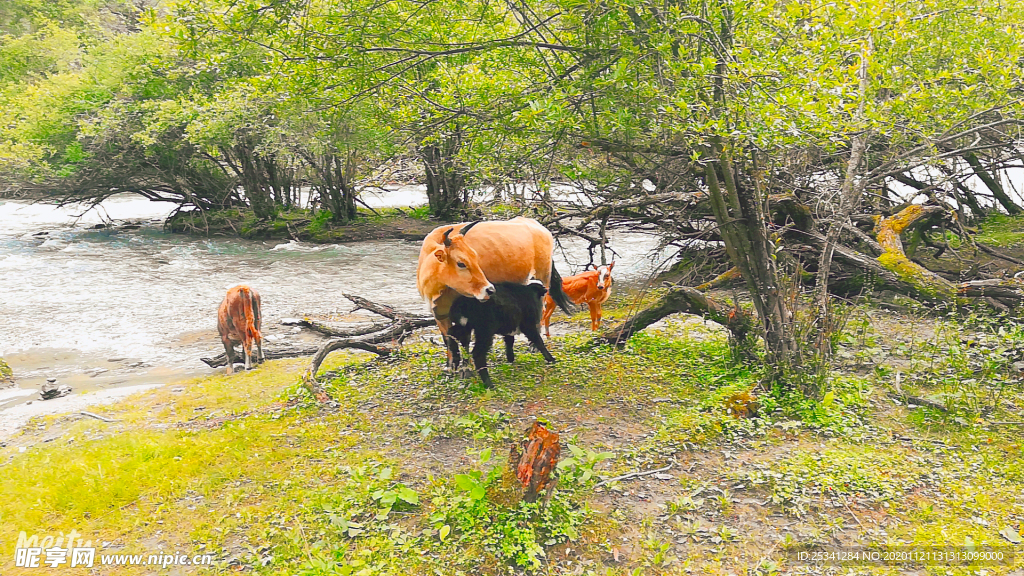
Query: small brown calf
592, 288
238, 321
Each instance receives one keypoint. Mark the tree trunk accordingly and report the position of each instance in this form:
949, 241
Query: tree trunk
445, 179
741, 220
993, 185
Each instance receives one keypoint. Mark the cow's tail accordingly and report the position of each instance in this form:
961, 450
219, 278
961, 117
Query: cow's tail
556, 292
250, 317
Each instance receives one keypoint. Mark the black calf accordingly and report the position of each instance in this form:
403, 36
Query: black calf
513, 308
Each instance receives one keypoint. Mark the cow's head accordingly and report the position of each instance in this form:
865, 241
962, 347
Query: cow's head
461, 267
604, 276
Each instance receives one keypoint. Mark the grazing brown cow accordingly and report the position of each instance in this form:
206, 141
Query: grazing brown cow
468, 258
592, 288
238, 321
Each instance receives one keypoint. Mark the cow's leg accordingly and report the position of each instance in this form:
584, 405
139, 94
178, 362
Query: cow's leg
533, 335
247, 350
229, 351
549, 309
258, 323
480, 351
259, 347
441, 307
510, 354
595, 315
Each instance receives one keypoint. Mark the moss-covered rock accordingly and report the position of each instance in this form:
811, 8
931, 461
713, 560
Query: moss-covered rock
6, 374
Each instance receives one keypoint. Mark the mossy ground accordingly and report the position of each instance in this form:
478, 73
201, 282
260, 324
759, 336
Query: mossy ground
1002, 230
404, 473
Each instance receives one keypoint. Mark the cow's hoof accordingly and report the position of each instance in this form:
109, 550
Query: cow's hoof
465, 372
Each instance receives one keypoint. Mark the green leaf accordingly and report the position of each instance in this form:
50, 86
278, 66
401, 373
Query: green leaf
829, 397
485, 456
444, 532
465, 481
565, 463
478, 492
385, 473
408, 495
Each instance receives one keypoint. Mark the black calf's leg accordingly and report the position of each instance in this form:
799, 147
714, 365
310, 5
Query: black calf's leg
533, 335
480, 351
510, 354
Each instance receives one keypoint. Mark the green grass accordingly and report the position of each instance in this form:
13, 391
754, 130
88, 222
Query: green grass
407, 473
1002, 230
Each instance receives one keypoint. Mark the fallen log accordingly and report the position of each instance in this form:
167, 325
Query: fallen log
270, 354
309, 377
365, 338
383, 309
923, 281
415, 322
687, 300
731, 275
993, 252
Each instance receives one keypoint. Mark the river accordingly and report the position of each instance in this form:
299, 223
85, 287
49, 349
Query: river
112, 307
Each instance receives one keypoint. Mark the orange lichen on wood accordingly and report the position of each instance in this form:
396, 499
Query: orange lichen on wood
890, 229
535, 460
925, 282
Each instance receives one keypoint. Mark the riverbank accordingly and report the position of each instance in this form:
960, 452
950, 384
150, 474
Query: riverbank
301, 225
404, 473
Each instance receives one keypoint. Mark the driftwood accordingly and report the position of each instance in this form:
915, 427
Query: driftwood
632, 475
383, 341
993, 252
96, 416
367, 338
270, 353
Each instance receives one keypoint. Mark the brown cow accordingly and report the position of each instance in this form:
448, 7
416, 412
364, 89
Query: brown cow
238, 321
467, 258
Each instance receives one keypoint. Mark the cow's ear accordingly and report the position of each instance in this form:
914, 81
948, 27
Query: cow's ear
439, 254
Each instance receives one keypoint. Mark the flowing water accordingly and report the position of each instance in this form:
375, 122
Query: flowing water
101, 308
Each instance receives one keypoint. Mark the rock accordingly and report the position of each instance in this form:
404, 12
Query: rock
51, 390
